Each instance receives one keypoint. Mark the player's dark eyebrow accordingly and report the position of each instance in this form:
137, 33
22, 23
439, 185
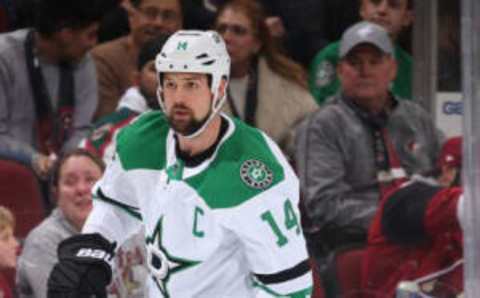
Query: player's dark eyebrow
190, 77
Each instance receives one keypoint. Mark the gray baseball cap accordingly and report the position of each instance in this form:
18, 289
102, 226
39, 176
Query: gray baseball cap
365, 32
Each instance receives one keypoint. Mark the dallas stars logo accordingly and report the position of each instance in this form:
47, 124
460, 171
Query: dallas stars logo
256, 174
161, 263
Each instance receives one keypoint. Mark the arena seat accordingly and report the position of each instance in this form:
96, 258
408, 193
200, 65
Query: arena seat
318, 291
348, 264
3, 20
21, 193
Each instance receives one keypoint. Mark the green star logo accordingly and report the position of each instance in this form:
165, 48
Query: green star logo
161, 263
256, 174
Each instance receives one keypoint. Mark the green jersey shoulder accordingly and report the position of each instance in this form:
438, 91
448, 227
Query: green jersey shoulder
142, 145
244, 166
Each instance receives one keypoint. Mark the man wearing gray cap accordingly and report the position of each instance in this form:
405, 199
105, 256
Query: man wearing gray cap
360, 144
395, 16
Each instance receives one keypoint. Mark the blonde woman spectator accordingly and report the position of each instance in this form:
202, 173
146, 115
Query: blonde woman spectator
8, 249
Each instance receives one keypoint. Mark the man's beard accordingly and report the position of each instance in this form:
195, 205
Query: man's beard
189, 126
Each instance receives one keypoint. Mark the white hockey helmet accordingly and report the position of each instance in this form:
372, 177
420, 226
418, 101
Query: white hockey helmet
196, 52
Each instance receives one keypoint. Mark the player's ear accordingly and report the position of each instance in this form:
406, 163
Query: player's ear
222, 87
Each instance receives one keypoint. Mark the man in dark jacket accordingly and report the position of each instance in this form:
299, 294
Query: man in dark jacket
358, 145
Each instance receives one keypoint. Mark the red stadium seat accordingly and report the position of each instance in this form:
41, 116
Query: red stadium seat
5, 286
22, 195
318, 291
348, 272
3, 20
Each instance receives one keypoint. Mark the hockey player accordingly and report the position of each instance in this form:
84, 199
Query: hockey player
217, 197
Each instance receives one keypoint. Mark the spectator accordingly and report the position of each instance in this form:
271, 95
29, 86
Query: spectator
416, 234
267, 90
48, 93
71, 181
8, 249
352, 149
116, 60
394, 16
137, 99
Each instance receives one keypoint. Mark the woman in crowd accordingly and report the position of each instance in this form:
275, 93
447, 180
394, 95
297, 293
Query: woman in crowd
72, 179
267, 90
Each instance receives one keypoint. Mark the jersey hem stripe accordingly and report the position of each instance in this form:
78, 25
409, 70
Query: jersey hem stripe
285, 275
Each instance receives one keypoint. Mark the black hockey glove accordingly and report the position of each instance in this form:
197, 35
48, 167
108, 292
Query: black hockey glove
82, 269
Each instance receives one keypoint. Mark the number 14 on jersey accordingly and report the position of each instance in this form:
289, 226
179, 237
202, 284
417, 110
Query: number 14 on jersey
290, 220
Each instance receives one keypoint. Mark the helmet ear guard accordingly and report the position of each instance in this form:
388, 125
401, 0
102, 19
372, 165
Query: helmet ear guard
193, 51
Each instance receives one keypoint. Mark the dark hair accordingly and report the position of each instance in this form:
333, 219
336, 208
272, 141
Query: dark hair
54, 178
150, 50
135, 3
51, 16
409, 3
276, 60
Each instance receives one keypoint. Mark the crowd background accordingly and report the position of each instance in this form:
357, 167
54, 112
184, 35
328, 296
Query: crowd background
283, 52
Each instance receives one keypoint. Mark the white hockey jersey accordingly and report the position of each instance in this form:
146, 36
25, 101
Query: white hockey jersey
229, 227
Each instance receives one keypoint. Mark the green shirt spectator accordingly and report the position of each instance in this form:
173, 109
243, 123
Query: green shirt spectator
323, 81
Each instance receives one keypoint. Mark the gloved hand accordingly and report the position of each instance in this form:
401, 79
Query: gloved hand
82, 269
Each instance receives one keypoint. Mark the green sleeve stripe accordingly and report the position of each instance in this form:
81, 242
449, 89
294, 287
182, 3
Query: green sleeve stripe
305, 293
133, 211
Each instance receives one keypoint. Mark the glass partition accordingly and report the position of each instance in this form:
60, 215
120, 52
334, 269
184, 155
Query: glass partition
470, 28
